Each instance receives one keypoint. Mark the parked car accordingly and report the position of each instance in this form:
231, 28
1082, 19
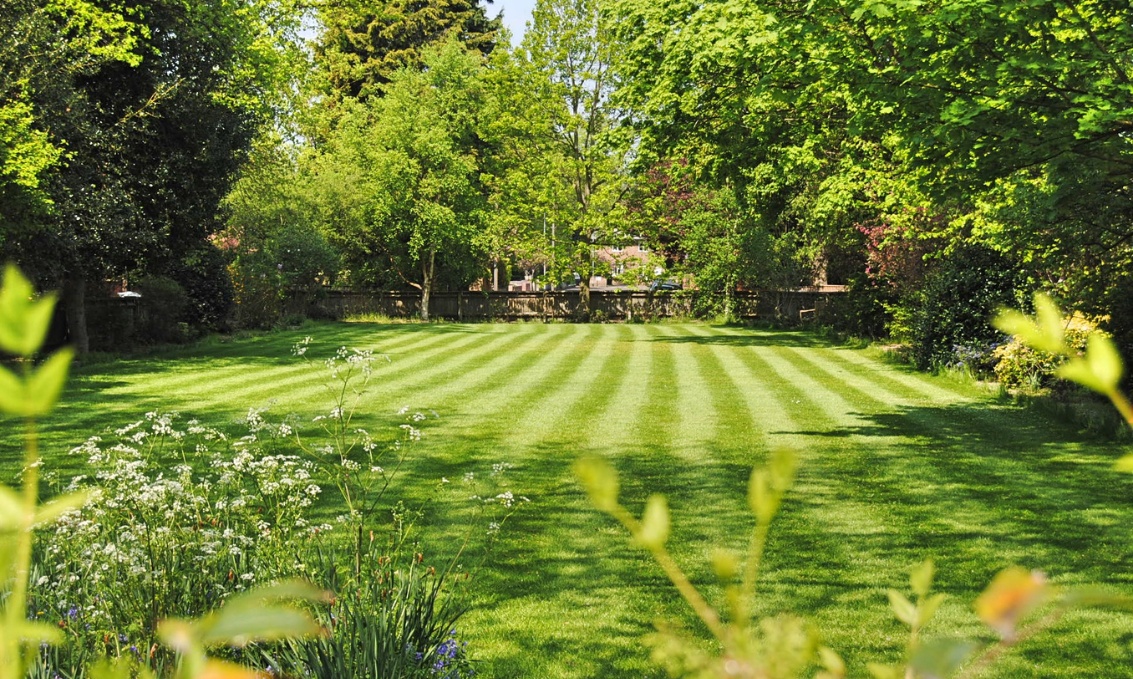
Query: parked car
664, 286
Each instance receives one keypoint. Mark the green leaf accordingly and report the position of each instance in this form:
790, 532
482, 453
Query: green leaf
15, 296
1104, 360
43, 389
256, 615
725, 565
600, 481
36, 323
1051, 325
60, 506
1045, 332
784, 463
880, 671
654, 523
940, 658
11, 392
1096, 597
904, 609
831, 661
241, 626
760, 497
1079, 370
11, 509
921, 578
23, 320
928, 608
1125, 464
36, 632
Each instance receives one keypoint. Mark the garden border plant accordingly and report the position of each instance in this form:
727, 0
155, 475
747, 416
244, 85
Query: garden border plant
31, 393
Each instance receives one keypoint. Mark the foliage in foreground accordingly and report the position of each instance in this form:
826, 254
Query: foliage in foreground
786, 646
150, 539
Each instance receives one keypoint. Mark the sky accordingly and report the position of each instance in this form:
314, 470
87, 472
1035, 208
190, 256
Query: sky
516, 15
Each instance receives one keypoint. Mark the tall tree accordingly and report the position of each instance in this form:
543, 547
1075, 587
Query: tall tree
572, 46
400, 178
363, 43
151, 144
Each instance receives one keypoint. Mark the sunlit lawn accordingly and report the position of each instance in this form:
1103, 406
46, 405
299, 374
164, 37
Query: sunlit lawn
897, 467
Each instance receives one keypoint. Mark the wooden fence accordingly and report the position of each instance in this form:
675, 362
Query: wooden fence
604, 304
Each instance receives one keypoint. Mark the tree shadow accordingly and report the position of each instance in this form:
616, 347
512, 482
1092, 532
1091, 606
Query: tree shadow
754, 338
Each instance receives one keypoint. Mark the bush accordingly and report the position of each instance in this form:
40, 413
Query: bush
958, 301
203, 274
1019, 366
863, 310
162, 310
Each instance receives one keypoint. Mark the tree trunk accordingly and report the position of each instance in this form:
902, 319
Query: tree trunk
74, 309
583, 310
427, 283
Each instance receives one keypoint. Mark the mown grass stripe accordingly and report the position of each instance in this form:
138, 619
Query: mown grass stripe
309, 387
693, 423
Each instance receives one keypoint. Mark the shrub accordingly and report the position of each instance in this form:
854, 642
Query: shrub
162, 310
203, 274
957, 304
1020, 366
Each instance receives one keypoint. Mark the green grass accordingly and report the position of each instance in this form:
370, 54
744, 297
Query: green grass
896, 467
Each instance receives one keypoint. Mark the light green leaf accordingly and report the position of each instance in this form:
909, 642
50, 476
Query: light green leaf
37, 320
904, 609
1079, 370
178, 635
11, 509
289, 590
725, 565
760, 497
880, 671
928, 608
600, 481
60, 506
11, 392
1044, 333
1125, 464
1096, 597
921, 578
1051, 325
941, 657
831, 661
14, 299
36, 632
242, 625
1104, 360
45, 385
654, 523
256, 615
784, 463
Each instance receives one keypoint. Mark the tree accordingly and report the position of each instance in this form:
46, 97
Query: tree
572, 45
151, 145
363, 44
41, 40
399, 178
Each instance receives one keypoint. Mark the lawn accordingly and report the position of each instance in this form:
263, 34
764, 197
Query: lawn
896, 467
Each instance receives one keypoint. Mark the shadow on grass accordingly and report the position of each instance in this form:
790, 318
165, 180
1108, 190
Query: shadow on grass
754, 338
981, 488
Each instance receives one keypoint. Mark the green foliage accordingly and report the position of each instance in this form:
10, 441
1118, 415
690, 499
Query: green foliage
1022, 365
203, 274
22, 330
400, 177
955, 308
163, 306
361, 47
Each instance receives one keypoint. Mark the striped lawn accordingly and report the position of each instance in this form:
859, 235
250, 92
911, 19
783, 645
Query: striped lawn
897, 467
